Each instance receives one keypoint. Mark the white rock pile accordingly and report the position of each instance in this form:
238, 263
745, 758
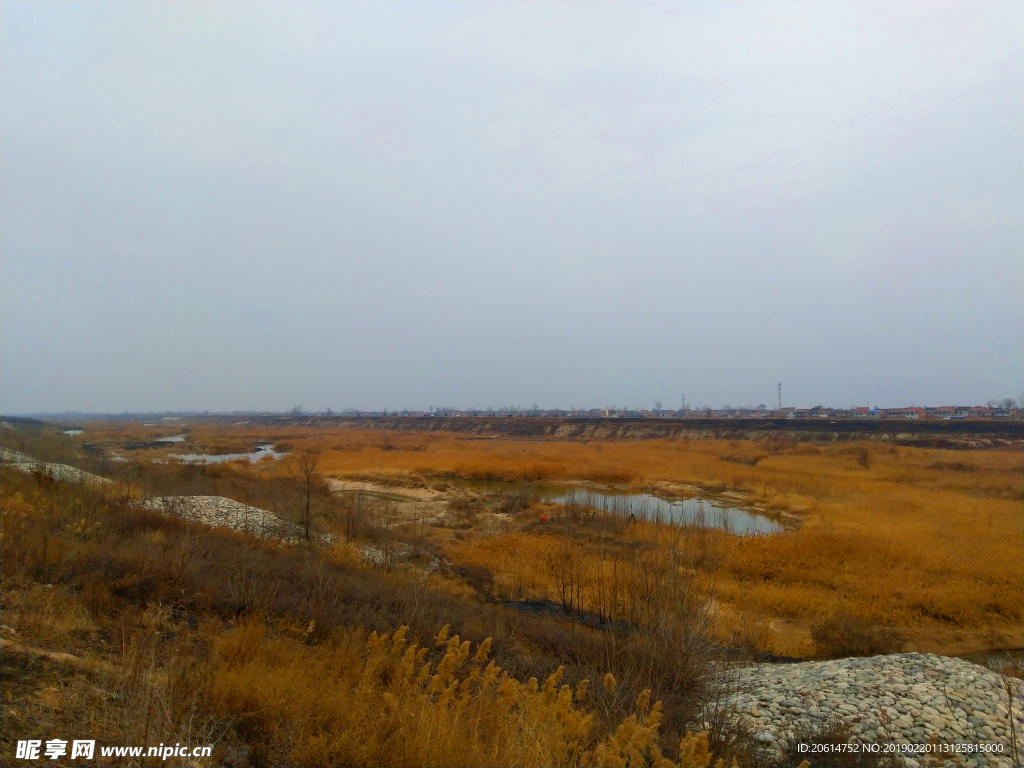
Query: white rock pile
25, 463
902, 699
222, 512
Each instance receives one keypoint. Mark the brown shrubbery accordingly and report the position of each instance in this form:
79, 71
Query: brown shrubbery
825, 744
927, 540
177, 632
383, 701
173, 629
845, 634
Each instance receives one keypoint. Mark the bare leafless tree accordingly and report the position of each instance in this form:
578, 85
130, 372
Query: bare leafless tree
305, 471
354, 510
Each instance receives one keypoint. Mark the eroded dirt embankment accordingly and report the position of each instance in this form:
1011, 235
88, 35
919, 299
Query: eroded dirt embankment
931, 434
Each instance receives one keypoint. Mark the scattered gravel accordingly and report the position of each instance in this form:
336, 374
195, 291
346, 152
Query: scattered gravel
25, 463
226, 513
908, 698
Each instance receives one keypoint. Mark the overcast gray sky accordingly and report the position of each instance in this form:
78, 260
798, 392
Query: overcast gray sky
245, 205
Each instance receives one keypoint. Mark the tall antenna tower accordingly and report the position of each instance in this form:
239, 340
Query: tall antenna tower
684, 403
780, 395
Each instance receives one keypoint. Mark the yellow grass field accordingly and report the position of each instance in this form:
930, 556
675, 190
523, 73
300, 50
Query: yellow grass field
928, 541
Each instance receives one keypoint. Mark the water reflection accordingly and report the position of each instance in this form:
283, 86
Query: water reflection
640, 506
263, 450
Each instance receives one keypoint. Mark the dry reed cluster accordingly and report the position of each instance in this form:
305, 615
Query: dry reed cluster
381, 701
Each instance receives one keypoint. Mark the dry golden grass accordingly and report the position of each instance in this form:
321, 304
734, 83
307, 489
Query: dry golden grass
927, 540
288, 694
920, 539
354, 701
139, 629
381, 701
148, 627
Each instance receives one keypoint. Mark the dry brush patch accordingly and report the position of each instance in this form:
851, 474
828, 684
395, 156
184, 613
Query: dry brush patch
918, 539
135, 623
383, 701
926, 540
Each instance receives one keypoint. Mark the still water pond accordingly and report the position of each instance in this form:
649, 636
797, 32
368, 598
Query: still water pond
262, 451
643, 506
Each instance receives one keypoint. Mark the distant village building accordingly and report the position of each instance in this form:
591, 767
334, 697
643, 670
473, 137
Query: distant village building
943, 412
904, 413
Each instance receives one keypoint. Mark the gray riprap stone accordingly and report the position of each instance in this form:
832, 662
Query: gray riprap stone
223, 512
919, 696
24, 463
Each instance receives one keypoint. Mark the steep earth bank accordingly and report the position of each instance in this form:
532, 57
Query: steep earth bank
931, 434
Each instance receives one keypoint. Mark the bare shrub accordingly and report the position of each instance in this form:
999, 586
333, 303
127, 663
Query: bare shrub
252, 590
953, 466
846, 634
829, 736
161, 700
479, 577
515, 501
864, 457
465, 505
96, 595
353, 510
306, 472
